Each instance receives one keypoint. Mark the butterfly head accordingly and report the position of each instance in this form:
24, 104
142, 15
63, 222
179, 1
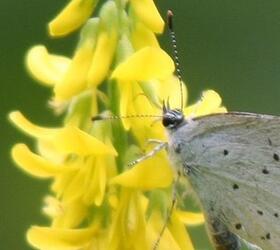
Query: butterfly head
172, 118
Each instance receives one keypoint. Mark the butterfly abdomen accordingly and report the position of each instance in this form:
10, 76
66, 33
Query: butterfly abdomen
222, 238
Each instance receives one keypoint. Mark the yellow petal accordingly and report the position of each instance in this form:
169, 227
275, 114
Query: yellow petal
145, 64
52, 207
74, 81
142, 37
149, 174
155, 224
102, 58
125, 100
72, 214
73, 140
59, 239
143, 128
45, 67
48, 151
210, 103
34, 164
210, 100
170, 90
189, 218
29, 128
97, 184
147, 12
71, 17
178, 231
221, 110
76, 186
62, 182
67, 140
128, 230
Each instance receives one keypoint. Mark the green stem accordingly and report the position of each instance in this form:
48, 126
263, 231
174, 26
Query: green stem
119, 134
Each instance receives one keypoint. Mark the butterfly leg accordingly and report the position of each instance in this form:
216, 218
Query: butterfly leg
155, 150
222, 238
169, 213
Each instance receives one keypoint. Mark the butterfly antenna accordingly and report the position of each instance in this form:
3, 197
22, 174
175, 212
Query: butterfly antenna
101, 117
175, 52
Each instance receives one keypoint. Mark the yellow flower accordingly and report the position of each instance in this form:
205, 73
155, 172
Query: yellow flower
130, 215
150, 174
45, 67
60, 238
147, 12
153, 62
96, 200
66, 140
71, 17
142, 37
74, 79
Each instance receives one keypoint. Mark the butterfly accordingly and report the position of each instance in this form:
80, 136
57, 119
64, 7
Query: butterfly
232, 161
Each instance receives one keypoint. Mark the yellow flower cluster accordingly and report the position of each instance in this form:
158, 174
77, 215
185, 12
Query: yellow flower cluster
96, 201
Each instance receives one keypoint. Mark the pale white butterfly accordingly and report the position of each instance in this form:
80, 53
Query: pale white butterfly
232, 162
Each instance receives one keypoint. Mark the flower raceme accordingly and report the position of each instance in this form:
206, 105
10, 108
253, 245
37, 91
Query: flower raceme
96, 201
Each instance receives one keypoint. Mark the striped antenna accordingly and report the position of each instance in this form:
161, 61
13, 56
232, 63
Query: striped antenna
175, 52
116, 117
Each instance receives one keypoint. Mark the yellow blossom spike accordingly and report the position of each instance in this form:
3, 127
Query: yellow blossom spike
189, 218
45, 67
34, 164
147, 12
102, 58
71, 17
142, 37
145, 64
96, 201
59, 238
142, 176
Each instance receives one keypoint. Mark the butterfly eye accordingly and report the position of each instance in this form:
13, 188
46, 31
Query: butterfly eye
172, 118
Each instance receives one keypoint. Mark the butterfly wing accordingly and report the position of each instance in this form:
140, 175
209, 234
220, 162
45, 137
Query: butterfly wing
233, 164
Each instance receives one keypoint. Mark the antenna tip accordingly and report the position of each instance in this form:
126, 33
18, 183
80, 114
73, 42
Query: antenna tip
170, 19
97, 118
169, 13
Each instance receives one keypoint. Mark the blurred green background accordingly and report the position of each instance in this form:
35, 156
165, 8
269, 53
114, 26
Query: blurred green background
230, 46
